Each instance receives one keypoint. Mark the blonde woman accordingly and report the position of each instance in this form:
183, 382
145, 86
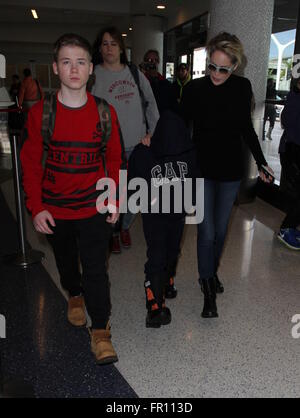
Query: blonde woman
220, 107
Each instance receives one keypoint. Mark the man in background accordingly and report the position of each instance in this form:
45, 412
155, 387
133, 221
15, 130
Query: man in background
162, 88
183, 77
30, 91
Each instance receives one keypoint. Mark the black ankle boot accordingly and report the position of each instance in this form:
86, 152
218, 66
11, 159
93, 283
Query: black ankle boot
210, 306
219, 285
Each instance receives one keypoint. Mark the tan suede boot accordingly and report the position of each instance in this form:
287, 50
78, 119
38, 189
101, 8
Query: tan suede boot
76, 311
102, 347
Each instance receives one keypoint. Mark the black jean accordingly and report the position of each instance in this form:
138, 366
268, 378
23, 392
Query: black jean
290, 162
163, 235
87, 239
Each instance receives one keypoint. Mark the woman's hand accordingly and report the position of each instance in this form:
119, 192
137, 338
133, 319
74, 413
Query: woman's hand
265, 177
40, 222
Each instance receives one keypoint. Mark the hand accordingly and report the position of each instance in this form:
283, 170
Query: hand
40, 222
146, 140
114, 215
265, 178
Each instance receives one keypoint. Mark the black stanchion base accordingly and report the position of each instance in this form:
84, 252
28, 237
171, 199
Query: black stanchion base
16, 389
24, 260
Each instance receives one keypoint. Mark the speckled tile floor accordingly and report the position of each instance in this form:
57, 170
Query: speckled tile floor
41, 349
247, 352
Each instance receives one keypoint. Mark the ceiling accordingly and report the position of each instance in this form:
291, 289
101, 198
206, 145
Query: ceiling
92, 13
87, 12
285, 15
21, 35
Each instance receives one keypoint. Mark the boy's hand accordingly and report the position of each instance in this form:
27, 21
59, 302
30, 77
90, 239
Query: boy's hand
114, 214
146, 140
40, 222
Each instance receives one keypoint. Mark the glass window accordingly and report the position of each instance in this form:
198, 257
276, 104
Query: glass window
279, 78
182, 44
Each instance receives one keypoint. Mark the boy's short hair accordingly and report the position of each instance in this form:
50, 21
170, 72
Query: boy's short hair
72, 39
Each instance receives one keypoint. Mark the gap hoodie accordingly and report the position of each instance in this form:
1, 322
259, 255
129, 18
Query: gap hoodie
170, 159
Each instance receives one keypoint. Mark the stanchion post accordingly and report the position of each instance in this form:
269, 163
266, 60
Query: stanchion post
26, 256
18, 193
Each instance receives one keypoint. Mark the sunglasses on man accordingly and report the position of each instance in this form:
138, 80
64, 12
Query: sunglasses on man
222, 70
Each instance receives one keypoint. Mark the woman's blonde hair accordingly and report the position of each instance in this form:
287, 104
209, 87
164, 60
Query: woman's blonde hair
229, 45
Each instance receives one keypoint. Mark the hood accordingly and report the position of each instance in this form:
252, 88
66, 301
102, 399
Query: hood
171, 136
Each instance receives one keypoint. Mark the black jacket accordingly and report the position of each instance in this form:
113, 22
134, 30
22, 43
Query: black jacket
222, 126
171, 157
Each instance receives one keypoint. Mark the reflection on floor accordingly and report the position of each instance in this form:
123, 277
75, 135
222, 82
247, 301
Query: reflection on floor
270, 148
248, 351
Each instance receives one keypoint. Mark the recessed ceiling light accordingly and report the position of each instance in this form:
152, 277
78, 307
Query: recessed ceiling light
130, 28
34, 14
160, 7
124, 34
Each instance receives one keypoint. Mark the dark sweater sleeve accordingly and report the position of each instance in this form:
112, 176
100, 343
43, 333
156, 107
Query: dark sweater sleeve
248, 132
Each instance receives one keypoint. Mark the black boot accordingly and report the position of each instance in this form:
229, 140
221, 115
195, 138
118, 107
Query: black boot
158, 317
165, 316
219, 285
153, 319
210, 306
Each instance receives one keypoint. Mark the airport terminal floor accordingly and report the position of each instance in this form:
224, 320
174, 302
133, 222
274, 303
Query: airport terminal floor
249, 351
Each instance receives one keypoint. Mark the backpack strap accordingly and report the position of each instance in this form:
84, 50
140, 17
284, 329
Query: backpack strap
135, 74
106, 127
48, 120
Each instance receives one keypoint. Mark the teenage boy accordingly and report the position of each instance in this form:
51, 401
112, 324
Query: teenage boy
124, 87
62, 196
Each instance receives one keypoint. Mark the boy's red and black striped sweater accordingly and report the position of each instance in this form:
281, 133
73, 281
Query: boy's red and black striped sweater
66, 186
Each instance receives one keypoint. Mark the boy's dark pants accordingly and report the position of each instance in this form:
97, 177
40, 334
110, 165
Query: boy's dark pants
88, 239
163, 235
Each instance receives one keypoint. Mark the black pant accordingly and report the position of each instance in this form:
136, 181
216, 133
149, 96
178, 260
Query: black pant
270, 113
89, 240
290, 162
163, 235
